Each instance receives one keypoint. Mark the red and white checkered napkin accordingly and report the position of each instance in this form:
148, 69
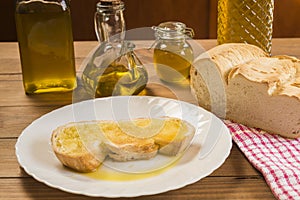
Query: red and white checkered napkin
277, 158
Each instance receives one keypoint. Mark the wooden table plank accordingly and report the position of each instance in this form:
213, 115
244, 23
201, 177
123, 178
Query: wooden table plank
14, 119
208, 188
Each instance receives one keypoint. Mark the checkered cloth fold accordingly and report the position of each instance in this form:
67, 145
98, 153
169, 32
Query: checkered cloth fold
277, 158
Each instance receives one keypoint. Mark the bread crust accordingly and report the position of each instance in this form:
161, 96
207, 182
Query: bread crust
84, 161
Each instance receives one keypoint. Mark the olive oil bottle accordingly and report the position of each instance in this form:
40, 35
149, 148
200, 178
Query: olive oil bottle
113, 69
46, 46
249, 21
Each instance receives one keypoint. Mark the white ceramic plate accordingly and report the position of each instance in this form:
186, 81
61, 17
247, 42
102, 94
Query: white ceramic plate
35, 155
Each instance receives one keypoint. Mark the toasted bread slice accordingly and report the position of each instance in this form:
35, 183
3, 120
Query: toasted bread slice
79, 146
124, 147
83, 146
174, 137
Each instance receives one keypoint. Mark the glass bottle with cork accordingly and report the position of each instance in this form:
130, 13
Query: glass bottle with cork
246, 21
172, 55
113, 69
46, 45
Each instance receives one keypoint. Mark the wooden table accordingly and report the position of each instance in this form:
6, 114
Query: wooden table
235, 179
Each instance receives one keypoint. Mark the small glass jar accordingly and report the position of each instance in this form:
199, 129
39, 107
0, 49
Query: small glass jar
46, 45
172, 55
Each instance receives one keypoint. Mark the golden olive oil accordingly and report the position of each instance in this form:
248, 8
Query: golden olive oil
118, 80
172, 66
106, 174
247, 21
46, 49
115, 79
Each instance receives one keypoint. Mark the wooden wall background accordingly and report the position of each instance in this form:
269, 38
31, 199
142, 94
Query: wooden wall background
201, 15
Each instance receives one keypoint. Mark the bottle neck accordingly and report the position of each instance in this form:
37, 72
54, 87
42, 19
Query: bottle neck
110, 6
109, 21
41, 6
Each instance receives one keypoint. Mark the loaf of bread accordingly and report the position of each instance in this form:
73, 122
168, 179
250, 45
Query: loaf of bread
210, 71
83, 146
254, 89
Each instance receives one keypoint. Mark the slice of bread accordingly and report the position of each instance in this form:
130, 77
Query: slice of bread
79, 146
123, 146
83, 146
174, 137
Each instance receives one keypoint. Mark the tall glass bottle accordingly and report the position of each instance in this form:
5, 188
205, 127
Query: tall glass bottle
46, 45
113, 69
249, 21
